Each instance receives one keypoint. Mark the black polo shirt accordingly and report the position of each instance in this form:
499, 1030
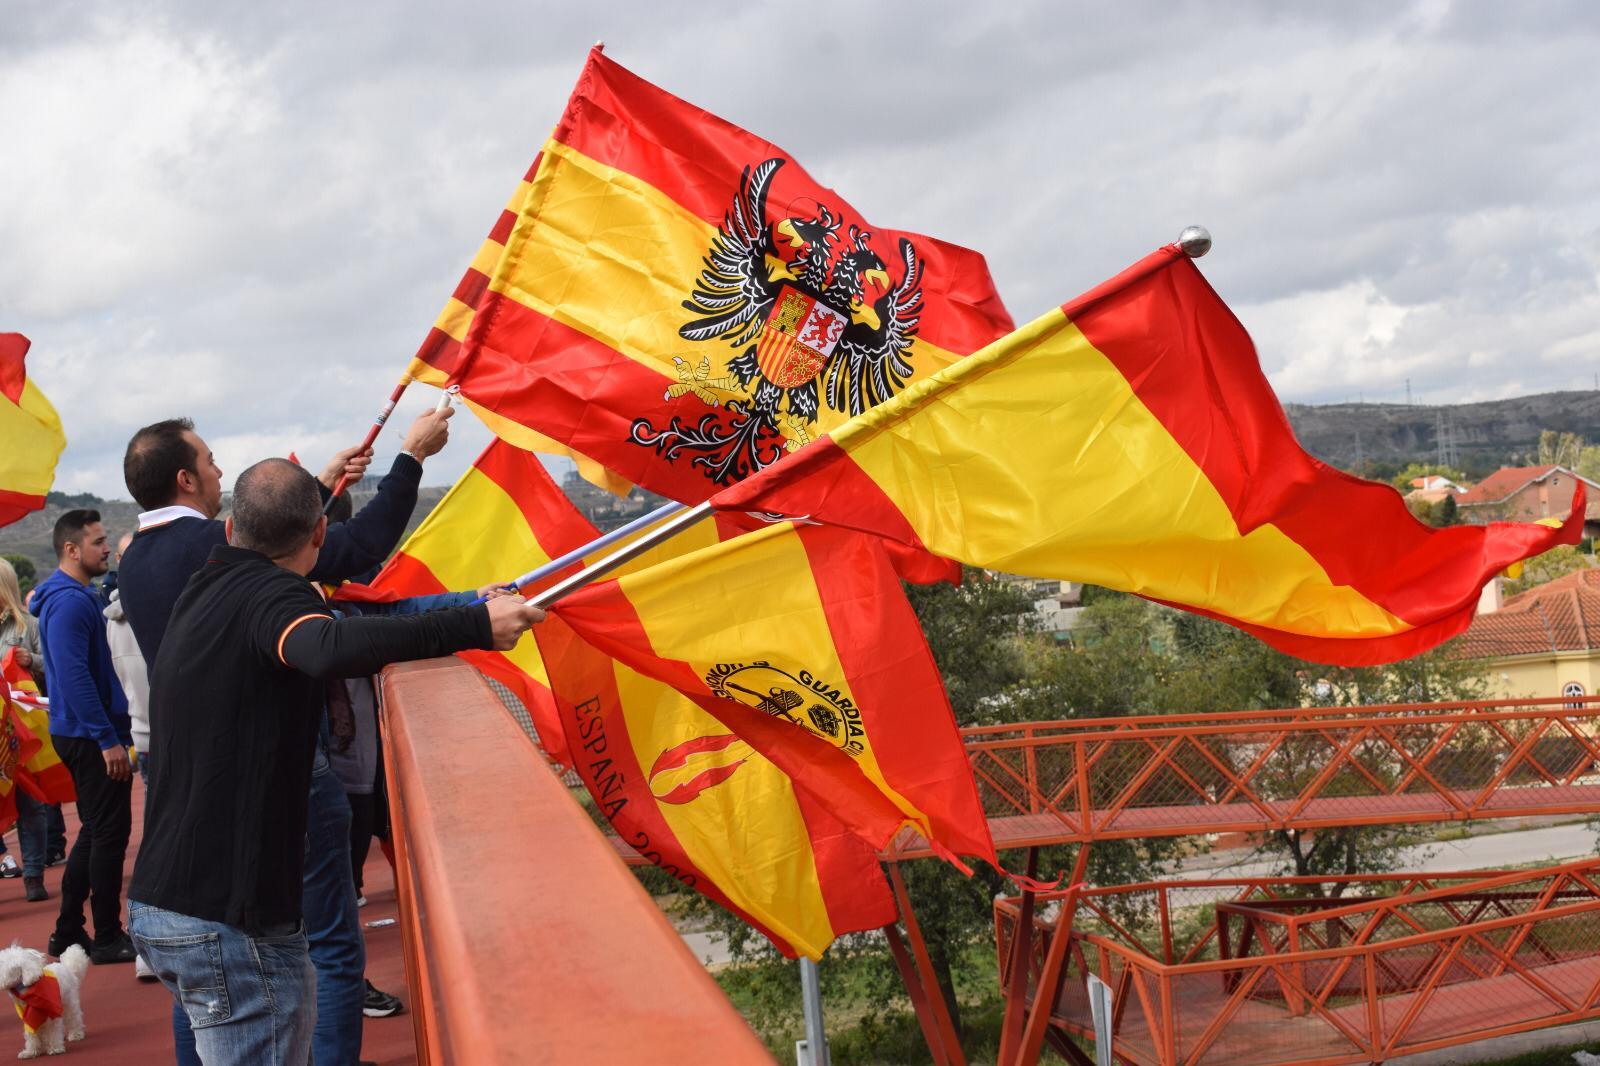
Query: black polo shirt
232, 734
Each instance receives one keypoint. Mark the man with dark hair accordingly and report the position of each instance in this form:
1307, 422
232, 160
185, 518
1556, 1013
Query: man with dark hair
173, 474
90, 728
236, 706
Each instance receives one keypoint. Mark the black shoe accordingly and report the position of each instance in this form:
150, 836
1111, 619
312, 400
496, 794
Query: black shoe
55, 856
380, 1004
34, 886
119, 950
58, 945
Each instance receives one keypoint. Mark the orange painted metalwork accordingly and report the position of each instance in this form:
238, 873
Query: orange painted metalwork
526, 939
1412, 964
1300, 768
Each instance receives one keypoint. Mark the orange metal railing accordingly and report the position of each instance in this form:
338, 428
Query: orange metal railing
526, 939
1413, 964
1253, 771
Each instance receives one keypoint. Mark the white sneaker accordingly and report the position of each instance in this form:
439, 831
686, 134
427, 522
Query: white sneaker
9, 867
142, 970
361, 901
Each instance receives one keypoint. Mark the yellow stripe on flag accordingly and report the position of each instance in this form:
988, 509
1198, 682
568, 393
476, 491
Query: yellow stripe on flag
33, 441
746, 832
737, 577
1129, 479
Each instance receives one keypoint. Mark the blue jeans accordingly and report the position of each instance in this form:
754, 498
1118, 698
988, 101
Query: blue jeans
249, 999
33, 824
333, 924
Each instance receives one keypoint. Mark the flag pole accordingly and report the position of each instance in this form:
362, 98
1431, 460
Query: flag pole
666, 510
372, 435
621, 557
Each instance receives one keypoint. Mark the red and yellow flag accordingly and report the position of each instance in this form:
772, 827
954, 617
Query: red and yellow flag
40, 771
800, 642
1129, 439
702, 804
676, 303
794, 873
32, 433
505, 516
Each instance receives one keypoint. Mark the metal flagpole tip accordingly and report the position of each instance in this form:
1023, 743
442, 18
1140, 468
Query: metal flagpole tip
1195, 241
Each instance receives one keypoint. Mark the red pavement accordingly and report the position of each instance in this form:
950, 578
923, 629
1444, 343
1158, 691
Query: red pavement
131, 1021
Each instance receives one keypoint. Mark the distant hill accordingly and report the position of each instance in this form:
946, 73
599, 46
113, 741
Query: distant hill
1483, 436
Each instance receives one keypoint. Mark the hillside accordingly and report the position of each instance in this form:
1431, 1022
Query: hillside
1484, 436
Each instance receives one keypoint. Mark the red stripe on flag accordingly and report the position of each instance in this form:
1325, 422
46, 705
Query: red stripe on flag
440, 351
15, 505
13, 365
472, 287
552, 383
504, 224
897, 687
557, 525
855, 902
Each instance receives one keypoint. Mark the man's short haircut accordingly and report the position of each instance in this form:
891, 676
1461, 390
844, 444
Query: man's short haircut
276, 507
154, 457
69, 528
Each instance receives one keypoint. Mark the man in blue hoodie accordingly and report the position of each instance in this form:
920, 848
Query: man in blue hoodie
91, 731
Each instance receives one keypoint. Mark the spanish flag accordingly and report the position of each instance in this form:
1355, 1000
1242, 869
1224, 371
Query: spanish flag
800, 642
40, 772
676, 303
505, 516
1129, 439
32, 433
699, 802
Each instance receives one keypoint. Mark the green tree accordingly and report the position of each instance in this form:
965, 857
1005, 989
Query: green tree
1447, 513
1560, 449
27, 573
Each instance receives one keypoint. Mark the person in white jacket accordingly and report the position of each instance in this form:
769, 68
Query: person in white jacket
128, 662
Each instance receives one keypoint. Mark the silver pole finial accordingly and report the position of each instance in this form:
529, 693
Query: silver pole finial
1195, 241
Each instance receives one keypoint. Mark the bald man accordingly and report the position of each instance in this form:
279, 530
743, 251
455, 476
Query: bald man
235, 708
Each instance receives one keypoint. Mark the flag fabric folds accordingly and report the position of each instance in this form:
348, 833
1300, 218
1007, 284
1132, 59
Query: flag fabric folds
506, 515
675, 303
703, 805
800, 642
40, 772
32, 433
1129, 439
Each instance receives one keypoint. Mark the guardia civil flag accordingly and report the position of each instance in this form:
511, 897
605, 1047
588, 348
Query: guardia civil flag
676, 303
1129, 439
505, 516
31, 439
699, 802
40, 771
800, 642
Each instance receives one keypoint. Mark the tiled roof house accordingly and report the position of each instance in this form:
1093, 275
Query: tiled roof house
1543, 642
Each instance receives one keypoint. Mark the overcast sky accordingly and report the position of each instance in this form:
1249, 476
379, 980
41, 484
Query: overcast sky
250, 213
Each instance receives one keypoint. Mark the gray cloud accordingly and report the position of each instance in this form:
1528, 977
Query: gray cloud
252, 212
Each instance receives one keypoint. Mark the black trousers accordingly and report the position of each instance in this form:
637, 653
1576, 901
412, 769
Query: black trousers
94, 865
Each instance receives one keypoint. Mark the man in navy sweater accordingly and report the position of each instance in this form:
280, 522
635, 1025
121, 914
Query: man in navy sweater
174, 477
90, 728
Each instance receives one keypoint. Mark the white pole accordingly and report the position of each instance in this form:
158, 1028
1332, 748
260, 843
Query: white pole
813, 1050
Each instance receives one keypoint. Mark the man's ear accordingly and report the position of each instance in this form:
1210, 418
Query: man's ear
320, 534
227, 528
188, 482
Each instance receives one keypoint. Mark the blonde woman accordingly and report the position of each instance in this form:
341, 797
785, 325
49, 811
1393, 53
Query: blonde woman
19, 630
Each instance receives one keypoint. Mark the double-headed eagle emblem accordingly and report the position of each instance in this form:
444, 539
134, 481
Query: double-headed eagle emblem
804, 325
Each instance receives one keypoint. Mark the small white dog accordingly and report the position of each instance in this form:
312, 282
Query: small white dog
45, 994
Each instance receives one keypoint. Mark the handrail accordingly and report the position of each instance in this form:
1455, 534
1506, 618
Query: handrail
526, 940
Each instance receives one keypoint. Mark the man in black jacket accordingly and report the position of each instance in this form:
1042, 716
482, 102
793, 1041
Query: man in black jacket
236, 704
172, 474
